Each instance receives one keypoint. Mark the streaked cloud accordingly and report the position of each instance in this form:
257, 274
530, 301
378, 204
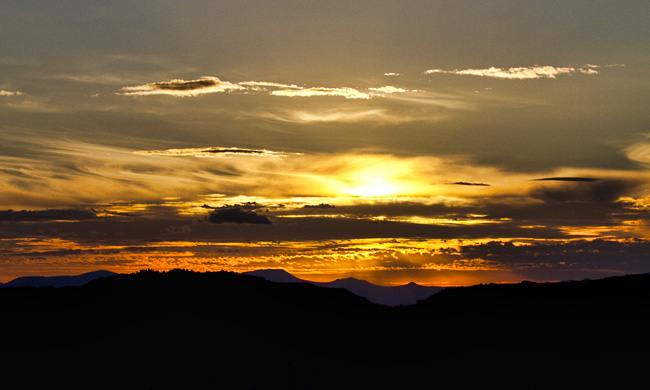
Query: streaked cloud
210, 84
46, 215
213, 152
464, 183
350, 115
348, 93
639, 152
178, 87
265, 84
521, 73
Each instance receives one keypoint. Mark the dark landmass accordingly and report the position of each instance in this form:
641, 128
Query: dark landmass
187, 329
408, 294
57, 281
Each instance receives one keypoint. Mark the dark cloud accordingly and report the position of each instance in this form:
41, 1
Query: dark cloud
181, 85
629, 255
463, 183
569, 179
232, 150
585, 190
237, 214
212, 152
319, 206
46, 215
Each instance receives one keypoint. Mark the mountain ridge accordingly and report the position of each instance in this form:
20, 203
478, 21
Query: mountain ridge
57, 281
407, 294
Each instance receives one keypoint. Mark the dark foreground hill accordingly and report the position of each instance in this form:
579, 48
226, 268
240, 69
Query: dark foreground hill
186, 329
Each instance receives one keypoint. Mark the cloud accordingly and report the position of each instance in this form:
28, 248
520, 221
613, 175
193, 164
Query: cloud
639, 152
10, 93
590, 254
388, 89
568, 179
210, 84
258, 84
463, 183
214, 152
181, 88
46, 215
521, 73
343, 115
237, 214
584, 190
321, 206
392, 74
348, 93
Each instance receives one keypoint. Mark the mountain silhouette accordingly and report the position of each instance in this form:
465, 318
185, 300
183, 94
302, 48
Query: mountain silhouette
276, 275
57, 281
407, 294
189, 329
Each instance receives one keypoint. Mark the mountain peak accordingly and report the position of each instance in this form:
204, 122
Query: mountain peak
275, 275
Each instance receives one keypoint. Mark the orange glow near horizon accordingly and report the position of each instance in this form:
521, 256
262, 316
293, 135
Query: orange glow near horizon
385, 262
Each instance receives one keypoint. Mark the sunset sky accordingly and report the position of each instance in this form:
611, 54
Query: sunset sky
439, 142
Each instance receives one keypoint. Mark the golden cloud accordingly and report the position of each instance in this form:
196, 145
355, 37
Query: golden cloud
10, 93
213, 152
182, 88
521, 73
348, 93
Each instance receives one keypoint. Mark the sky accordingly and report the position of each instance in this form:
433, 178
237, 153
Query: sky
437, 142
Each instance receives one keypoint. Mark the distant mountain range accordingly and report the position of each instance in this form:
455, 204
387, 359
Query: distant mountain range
57, 281
408, 294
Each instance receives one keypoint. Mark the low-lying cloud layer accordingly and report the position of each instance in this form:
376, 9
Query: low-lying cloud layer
237, 214
46, 215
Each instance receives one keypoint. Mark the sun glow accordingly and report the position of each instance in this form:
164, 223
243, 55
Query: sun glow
374, 187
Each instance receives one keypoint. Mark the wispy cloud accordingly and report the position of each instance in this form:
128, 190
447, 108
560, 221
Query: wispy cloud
266, 84
521, 73
214, 152
639, 152
210, 84
348, 93
388, 89
10, 93
342, 115
181, 88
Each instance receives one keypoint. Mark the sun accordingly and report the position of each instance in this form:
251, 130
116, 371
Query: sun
374, 187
